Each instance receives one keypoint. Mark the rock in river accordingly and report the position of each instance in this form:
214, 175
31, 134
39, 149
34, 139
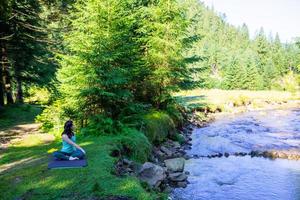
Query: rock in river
177, 177
175, 164
152, 174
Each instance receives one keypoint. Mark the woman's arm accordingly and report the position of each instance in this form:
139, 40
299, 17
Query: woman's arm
68, 140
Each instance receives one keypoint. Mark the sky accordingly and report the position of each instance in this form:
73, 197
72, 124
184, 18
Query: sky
275, 16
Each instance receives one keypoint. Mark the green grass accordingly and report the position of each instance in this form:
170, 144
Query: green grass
18, 114
24, 173
32, 179
221, 100
158, 125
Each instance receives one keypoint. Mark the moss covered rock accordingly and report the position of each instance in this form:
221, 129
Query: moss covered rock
158, 126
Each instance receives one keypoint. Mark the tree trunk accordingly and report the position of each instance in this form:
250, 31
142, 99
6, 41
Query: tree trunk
6, 75
8, 89
19, 91
1, 76
1, 86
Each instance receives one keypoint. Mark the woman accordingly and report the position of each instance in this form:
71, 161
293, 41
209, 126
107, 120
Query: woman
70, 150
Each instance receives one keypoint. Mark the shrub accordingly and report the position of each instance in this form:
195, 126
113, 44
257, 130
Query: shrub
179, 138
101, 125
38, 95
158, 126
134, 144
52, 118
175, 112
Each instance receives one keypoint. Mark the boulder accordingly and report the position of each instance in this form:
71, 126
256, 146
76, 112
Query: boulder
159, 154
182, 184
152, 174
177, 177
176, 145
175, 164
166, 151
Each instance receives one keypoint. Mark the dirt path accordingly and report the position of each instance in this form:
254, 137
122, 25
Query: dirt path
20, 134
17, 133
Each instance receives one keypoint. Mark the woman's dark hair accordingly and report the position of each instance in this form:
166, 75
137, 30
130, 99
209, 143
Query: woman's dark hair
68, 129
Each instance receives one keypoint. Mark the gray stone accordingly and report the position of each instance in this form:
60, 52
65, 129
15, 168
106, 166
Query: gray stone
152, 174
175, 164
182, 184
176, 145
167, 189
177, 177
166, 151
127, 162
160, 154
187, 172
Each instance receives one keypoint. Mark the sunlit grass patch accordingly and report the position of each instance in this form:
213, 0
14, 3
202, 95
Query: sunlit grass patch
34, 181
219, 100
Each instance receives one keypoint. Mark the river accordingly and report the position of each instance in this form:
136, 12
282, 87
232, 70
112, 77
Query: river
244, 177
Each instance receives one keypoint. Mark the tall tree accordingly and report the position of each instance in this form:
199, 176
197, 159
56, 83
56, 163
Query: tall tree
5, 36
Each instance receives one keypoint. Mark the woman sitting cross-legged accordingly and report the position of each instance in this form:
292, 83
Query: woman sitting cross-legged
70, 150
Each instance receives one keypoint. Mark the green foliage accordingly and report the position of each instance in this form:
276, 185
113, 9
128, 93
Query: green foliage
179, 138
135, 144
158, 126
241, 100
289, 82
18, 114
121, 59
102, 125
175, 111
37, 95
52, 118
231, 60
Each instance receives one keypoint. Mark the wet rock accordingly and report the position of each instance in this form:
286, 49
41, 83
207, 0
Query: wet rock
127, 162
186, 147
160, 154
267, 154
152, 174
182, 184
166, 151
187, 172
256, 154
175, 164
248, 130
167, 189
176, 145
195, 156
186, 157
226, 155
177, 177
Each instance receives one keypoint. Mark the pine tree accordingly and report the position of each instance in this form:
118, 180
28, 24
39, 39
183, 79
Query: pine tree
163, 37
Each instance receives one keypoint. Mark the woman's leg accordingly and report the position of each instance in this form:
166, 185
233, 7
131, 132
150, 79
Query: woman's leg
59, 155
78, 153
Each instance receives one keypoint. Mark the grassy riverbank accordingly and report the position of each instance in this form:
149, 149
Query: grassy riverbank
23, 163
24, 173
216, 100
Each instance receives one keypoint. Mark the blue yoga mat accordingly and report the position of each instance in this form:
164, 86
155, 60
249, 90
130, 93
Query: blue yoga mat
59, 164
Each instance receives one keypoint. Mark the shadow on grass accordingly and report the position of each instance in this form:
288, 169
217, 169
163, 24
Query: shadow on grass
32, 179
16, 157
12, 115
